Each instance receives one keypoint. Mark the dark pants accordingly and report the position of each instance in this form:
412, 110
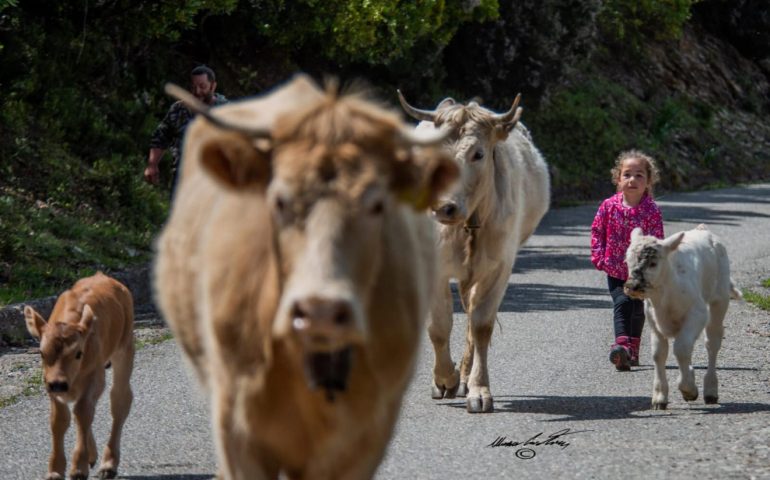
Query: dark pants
628, 313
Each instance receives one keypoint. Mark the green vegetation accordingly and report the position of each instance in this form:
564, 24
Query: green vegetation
581, 128
153, 340
82, 94
33, 385
632, 22
758, 299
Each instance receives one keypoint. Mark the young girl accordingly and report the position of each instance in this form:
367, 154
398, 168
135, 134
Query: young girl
632, 206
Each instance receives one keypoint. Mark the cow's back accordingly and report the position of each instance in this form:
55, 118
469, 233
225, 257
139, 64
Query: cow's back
531, 179
701, 260
113, 307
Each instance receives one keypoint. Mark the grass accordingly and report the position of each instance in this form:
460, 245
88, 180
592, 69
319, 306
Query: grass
759, 300
46, 247
139, 344
32, 386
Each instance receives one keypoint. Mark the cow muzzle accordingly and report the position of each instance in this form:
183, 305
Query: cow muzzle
634, 289
58, 387
449, 213
327, 331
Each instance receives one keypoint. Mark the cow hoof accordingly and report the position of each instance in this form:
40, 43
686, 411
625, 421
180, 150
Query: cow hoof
690, 397
436, 392
709, 400
78, 476
479, 404
452, 392
462, 389
54, 476
108, 473
659, 406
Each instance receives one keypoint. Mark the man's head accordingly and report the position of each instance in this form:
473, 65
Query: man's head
203, 83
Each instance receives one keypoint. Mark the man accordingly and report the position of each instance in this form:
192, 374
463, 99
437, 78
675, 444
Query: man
169, 133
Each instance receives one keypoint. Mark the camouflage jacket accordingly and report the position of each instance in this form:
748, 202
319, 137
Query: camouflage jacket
170, 131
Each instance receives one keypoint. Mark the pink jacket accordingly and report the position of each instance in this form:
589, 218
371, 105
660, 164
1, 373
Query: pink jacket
611, 232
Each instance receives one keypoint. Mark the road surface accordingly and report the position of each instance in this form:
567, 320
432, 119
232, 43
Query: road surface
549, 373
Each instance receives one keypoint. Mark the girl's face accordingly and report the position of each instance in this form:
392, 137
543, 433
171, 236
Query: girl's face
633, 179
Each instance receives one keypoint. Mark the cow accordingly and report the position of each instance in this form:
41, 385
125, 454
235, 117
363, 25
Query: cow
90, 328
686, 286
295, 271
503, 195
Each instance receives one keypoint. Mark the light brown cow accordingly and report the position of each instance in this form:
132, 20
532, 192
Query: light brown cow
296, 271
90, 327
504, 193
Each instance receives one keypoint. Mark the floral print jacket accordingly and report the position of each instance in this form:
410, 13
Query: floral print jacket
611, 232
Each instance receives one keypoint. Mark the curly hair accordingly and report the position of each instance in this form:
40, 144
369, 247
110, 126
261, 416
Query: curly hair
653, 174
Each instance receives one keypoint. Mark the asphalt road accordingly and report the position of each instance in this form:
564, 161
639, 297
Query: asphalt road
549, 376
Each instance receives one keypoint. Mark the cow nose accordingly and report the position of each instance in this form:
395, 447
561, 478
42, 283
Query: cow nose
323, 321
58, 387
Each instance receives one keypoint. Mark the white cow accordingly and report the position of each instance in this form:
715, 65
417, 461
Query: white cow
685, 281
503, 195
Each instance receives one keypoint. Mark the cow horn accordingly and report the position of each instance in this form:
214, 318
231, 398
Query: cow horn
424, 138
196, 106
416, 113
511, 116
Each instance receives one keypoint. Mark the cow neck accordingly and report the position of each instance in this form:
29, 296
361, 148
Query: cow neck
471, 228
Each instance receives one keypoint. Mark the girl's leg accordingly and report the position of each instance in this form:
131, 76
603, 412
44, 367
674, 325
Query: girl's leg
637, 325
620, 354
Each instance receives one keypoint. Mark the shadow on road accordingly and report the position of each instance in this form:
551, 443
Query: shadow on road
569, 408
534, 297
728, 408
753, 195
552, 258
173, 476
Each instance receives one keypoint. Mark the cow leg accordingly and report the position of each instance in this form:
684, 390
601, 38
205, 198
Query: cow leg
60, 422
714, 332
659, 345
237, 461
84, 417
445, 377
467, 361
683, 346
121, 398
481, 317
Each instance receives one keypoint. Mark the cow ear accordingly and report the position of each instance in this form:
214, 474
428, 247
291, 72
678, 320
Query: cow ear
86, 320
35, 323
447, 102
420, 180
236, 161
671, 243
636, 233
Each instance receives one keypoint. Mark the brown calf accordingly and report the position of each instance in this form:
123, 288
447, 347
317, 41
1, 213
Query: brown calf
91, 326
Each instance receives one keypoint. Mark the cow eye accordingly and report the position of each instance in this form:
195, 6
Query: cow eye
653, 264
377, 208
78, 355
478, 155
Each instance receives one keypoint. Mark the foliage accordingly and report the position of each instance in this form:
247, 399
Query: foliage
373, 32
631, 22
581, 128
82, 93
761, 301
532, 45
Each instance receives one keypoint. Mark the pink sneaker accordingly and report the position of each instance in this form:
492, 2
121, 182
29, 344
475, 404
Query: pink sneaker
621, 353
635, 344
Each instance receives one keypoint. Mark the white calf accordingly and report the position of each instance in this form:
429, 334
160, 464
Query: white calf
685, 281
